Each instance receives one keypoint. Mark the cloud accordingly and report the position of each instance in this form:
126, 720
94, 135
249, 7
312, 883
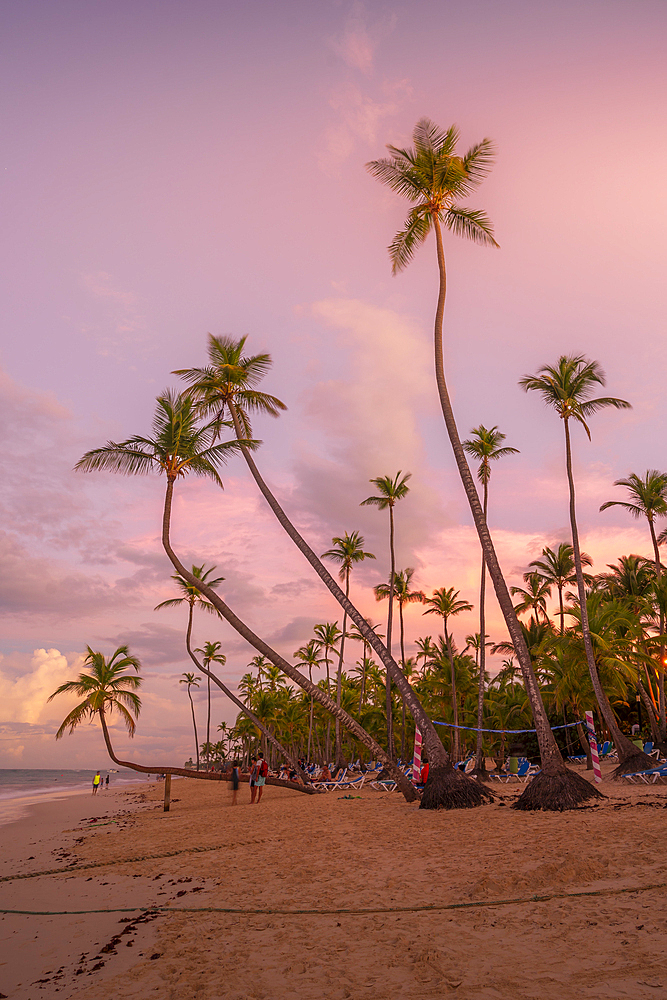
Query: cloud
155, 643
358, 117
123, 327
357, 43
27, 681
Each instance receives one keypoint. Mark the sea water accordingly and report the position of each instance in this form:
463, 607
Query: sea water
34, 781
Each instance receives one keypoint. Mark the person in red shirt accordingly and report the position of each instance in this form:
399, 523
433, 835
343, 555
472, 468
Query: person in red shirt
423, 774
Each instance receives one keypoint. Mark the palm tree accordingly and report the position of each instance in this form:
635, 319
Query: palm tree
567, 388
390, 491
210, 653
558, 568
192, 682
223, 384
434, 177
105, 690
347, 551
400, 585
446, 603
308, 654
359, 637
648, 498
192, 597
486, 445
533, 596
180, 446
328, 635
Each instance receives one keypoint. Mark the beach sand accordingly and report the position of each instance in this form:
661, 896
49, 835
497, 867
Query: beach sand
330, 853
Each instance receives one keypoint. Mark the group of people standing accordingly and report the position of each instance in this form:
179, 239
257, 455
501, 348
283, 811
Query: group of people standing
259, 770
99, 782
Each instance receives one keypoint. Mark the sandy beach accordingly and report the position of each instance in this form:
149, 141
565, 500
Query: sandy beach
330, 853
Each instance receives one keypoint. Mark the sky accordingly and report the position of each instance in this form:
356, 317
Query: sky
174, 168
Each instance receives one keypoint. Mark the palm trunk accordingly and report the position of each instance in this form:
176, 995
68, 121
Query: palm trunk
661, 668
232, 697
455, 706
585, 746
303, 682
625, 748
187, 772
402, 628
650, 712
194, 723
479, 753
561, 610
208, 721
339, 676
436, 752
310, 719
389, 708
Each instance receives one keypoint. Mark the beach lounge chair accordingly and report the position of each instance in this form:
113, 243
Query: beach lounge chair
335, 783
520, 773
652, 775
387, 785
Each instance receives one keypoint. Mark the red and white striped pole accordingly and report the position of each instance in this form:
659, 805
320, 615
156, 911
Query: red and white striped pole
592, 739
417, 758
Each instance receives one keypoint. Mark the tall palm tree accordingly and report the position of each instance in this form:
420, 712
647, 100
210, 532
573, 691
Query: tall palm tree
347, 552
567, 387
359, 637
486, 445
192, 682
308, 655
648, 498
557, 569
222, 385
210, 653
533, 596
434, 177
390, 491
328, 636
179, 446
446, 603
400, 585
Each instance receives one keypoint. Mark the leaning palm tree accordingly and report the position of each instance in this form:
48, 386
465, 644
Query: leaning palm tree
557, 568
400, 585
192, 682
347, 552
180, 446
486, 445
228, 384
446, 603
210, 653
648, 498
567, 387
193, 598
434, 177
389, 492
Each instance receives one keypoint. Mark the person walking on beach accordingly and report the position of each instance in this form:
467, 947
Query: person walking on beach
97, 781
262, 772
253, 775
235, 781
106, 783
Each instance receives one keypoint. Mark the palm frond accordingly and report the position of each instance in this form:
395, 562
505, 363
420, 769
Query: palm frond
429, 137
472, 223
122, 458
398, 176
404, 244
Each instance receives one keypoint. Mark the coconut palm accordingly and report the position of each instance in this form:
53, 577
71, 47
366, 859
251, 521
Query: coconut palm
192, 682
180, 446
347, 552
390, 491
648, 498
486, 445
567, 387
533, 596
434, 177
557, 569
308, 655
365, 659
446, 603
210, 653
400, 585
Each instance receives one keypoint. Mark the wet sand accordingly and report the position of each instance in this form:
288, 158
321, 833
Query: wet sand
376, 852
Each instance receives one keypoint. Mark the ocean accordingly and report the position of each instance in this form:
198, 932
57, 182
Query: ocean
35, 782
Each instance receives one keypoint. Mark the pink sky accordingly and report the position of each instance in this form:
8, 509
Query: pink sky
174, 168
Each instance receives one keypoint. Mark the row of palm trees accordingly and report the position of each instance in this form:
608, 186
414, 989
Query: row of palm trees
225, 393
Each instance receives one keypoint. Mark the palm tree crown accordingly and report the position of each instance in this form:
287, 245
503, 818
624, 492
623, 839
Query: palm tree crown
389, 490
485, 444
347, 550
191, 595
434, 177
107, 688
568, 385
231, 378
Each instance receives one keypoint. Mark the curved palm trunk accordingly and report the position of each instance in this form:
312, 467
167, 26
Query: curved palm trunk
266, 733
187, 772
561, 609
339, 676
243, 630
402, 633
626, 749
661, 669
437, 753
455, 703
650, 712
389, 708
479, 753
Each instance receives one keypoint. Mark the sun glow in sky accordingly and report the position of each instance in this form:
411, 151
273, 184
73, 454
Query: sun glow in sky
174, 168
